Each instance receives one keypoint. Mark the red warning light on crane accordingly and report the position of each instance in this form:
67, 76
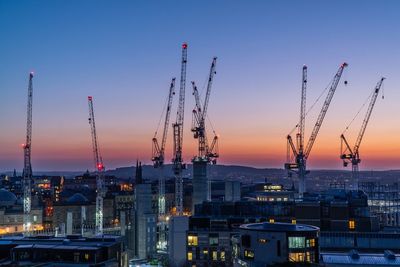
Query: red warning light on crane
184, 46
89, 98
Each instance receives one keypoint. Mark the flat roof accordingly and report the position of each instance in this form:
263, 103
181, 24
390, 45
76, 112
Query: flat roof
279, 227
363, 259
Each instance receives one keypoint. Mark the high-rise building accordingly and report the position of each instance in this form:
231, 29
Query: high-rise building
145, 222
200, 182
232, 191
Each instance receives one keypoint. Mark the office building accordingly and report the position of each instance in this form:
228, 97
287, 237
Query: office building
263, 244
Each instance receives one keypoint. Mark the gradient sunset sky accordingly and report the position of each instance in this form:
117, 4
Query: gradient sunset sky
124, 54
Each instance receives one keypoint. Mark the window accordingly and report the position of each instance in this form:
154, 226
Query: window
213, 239
222, 255
296, 242
190, 256
294, 221
76, 256
262, 240
214, 255
272, 220
192, 240
246, 240
248, 254
352, 225
278, 248
87, 256
34, 218
311, 243
296, 257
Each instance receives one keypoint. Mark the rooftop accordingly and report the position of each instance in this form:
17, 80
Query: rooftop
361, 259
279, 227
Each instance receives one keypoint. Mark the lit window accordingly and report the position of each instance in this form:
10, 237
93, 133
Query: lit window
248, 254
192, 240
222, 255
297, 242
271, 220
213, 239
296, 257
262, 240
312, 242
352, 225
190, 256
214, 256
86, 256
308, 257
294, 221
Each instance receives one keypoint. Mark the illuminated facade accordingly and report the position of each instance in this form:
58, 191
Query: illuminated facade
263, 244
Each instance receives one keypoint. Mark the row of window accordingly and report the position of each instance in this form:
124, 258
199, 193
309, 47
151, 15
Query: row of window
193, 240
300, 242
215, 255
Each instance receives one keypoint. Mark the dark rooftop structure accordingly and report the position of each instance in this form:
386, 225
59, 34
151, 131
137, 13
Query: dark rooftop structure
59, 251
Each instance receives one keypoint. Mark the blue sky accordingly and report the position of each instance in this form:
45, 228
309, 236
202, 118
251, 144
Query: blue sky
125, 52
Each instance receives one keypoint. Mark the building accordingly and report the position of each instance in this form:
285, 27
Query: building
12, 214
145, 223
273, 192
384, 202
232, 191
354, 258
83, 212
337, 210
62, 251
200, 182
177, 239
263, 244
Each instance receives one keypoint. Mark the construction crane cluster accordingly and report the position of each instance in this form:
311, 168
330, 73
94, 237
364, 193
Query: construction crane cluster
207, 153
298, 153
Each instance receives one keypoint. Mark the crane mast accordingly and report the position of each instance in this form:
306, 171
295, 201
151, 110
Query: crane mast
99, 167
301, 128
158, 157
352, 156
27, 172
300, 156
177, 160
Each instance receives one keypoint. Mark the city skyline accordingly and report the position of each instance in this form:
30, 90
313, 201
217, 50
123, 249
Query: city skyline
255, 102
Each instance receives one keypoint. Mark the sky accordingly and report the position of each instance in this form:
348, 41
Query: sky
124, 53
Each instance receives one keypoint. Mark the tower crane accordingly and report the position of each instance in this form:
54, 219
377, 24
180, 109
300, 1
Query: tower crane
158, 156
27, 172
177, 160
206, 154
352, 155
299, 153
199, 120
99, 166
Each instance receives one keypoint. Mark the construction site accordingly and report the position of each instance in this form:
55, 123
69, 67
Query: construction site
383, 199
